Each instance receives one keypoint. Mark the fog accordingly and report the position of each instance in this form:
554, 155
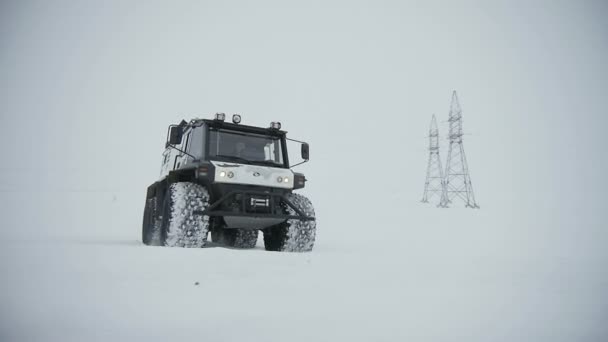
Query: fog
89, 88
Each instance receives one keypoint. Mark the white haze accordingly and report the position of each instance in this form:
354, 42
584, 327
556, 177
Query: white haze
87, 92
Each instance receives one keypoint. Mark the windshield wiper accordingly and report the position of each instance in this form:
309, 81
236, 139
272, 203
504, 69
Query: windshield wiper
267, 162
246, 161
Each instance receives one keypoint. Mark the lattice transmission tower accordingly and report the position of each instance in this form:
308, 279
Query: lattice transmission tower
457, 179
434, 186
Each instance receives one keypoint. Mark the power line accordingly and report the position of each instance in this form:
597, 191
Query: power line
433, 186
457, 181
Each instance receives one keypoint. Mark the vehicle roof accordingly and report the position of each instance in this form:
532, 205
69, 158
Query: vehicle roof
237, 127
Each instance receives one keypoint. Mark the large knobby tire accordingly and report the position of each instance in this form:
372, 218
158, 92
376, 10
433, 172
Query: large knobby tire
293, 235
180, 226
235, 237
150, 234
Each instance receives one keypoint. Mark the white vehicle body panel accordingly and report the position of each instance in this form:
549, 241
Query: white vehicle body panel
168, 160
172, 159
253, 175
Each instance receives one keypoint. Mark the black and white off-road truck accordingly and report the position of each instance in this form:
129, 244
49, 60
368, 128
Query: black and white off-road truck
231, 180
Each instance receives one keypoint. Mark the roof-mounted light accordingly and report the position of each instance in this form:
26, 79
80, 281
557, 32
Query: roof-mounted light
220, 116
236, 118
275, 125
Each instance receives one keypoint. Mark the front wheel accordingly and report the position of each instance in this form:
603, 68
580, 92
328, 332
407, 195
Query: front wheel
180, 226
293, 235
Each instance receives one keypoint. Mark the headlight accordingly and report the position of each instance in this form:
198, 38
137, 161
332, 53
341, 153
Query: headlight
280, 179
286, 179
222, 173
230, 174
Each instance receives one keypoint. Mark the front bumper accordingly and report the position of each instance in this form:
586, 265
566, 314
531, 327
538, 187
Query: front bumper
254, 204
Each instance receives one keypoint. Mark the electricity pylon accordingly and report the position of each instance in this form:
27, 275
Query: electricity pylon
457, 182
434, 172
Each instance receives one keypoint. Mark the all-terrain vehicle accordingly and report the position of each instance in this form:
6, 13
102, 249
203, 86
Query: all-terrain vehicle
231, 180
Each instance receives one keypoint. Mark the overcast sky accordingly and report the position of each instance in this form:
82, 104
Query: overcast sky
88, 89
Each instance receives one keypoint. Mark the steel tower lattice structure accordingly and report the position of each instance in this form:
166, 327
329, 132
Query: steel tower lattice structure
457, 182
434, 172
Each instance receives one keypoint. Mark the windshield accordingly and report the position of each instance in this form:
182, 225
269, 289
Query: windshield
241, 147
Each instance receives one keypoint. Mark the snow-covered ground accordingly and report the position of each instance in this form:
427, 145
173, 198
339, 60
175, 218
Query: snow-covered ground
88, 88
412, 273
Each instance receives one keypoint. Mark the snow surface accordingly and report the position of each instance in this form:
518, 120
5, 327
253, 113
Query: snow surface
412, 275
88, 89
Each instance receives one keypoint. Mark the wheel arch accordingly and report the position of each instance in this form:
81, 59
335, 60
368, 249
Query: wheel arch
159, 188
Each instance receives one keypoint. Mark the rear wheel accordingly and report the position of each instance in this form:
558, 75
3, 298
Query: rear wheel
293, 235
235, 237
150, 234
180, 226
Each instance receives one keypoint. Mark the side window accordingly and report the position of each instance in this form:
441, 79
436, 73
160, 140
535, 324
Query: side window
276, 150
182, 158
272, 151
196, 142
185, 146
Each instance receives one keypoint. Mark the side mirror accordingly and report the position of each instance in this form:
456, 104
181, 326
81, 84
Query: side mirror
305, 151
175, 135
